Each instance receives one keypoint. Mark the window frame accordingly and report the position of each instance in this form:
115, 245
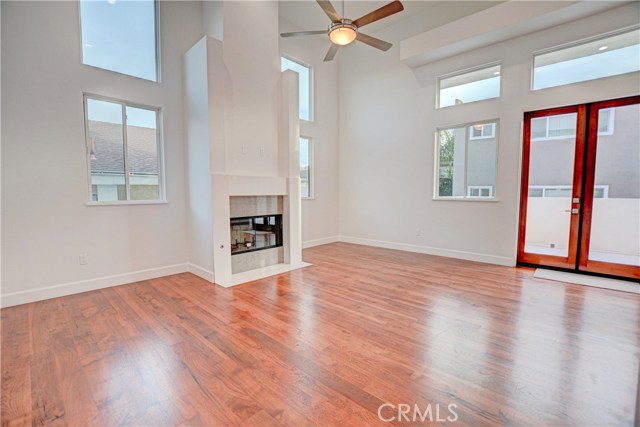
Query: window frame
311, 85
156, 11
466, 197
470, 70
311, 169
162, 196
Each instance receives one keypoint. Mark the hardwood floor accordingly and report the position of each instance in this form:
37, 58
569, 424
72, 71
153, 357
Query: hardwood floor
328, 345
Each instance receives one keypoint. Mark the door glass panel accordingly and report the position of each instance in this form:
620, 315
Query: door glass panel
551, 158
615, 221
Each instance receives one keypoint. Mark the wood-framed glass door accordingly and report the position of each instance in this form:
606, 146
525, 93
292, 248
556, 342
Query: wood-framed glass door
552, 169
610, 240
580, 193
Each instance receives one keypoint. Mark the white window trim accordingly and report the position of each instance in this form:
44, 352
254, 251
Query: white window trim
157, 43
436, 174
162, 196
312, 168
311, 86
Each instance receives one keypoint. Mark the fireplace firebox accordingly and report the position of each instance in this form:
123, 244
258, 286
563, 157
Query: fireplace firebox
254, 233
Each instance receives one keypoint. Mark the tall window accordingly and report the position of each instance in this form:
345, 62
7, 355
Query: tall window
304, 85
469, 86
124, 151
120, 36
591, 59
306, 167
466, 158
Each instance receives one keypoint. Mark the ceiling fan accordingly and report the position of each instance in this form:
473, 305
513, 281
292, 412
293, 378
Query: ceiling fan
343, 31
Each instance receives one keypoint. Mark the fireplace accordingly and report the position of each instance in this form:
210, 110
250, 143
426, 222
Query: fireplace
254, 233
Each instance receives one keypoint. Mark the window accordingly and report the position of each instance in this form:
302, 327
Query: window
481, 131
564, 125
469, 86
306, 168
304, 85
120, 36
600, 191
466, 166
124, 151
479, 191
591, 59
605, 121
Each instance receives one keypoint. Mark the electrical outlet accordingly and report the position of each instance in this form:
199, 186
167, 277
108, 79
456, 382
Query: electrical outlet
261, 151
84, 259
418, 232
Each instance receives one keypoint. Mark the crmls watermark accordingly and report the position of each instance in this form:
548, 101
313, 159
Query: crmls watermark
389, 412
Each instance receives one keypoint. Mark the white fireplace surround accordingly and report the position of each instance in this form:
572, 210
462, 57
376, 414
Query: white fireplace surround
218, 129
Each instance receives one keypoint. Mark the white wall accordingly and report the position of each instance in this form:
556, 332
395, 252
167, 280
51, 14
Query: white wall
320, 213
387, 126
44, 175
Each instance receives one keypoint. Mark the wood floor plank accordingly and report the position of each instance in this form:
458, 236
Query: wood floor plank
327, 345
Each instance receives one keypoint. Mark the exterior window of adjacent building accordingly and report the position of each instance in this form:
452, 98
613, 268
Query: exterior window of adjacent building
564, 125
121, 36
600, 191
595, 58
306, 167
469, 86
123, 151
466, 161
304, 85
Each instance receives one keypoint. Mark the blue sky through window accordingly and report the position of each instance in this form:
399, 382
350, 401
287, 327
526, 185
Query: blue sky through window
304, 85
120, 35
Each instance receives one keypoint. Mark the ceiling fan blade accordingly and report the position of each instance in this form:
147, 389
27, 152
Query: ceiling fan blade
331, 53
303, 33
372, 41
329, 10
383, 12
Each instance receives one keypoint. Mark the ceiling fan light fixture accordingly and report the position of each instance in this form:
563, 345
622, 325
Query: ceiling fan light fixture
343, 33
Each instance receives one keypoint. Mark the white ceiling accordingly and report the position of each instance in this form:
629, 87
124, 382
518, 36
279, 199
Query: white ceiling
307, 15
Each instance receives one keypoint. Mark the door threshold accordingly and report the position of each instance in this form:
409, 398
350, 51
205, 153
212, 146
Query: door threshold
587, 280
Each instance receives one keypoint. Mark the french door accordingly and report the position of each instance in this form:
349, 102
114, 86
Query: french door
580, 195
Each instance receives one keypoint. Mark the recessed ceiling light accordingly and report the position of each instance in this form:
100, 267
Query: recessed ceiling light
88, 45
111, 1
603, 47
496, 73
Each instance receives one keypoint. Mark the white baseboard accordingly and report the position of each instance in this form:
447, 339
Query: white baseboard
201, 272
318, 242
39, 294
450, 253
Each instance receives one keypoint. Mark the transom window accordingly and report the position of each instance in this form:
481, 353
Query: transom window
304, 85
120, 36
595, 58
123, 151
466, 166
469, 86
